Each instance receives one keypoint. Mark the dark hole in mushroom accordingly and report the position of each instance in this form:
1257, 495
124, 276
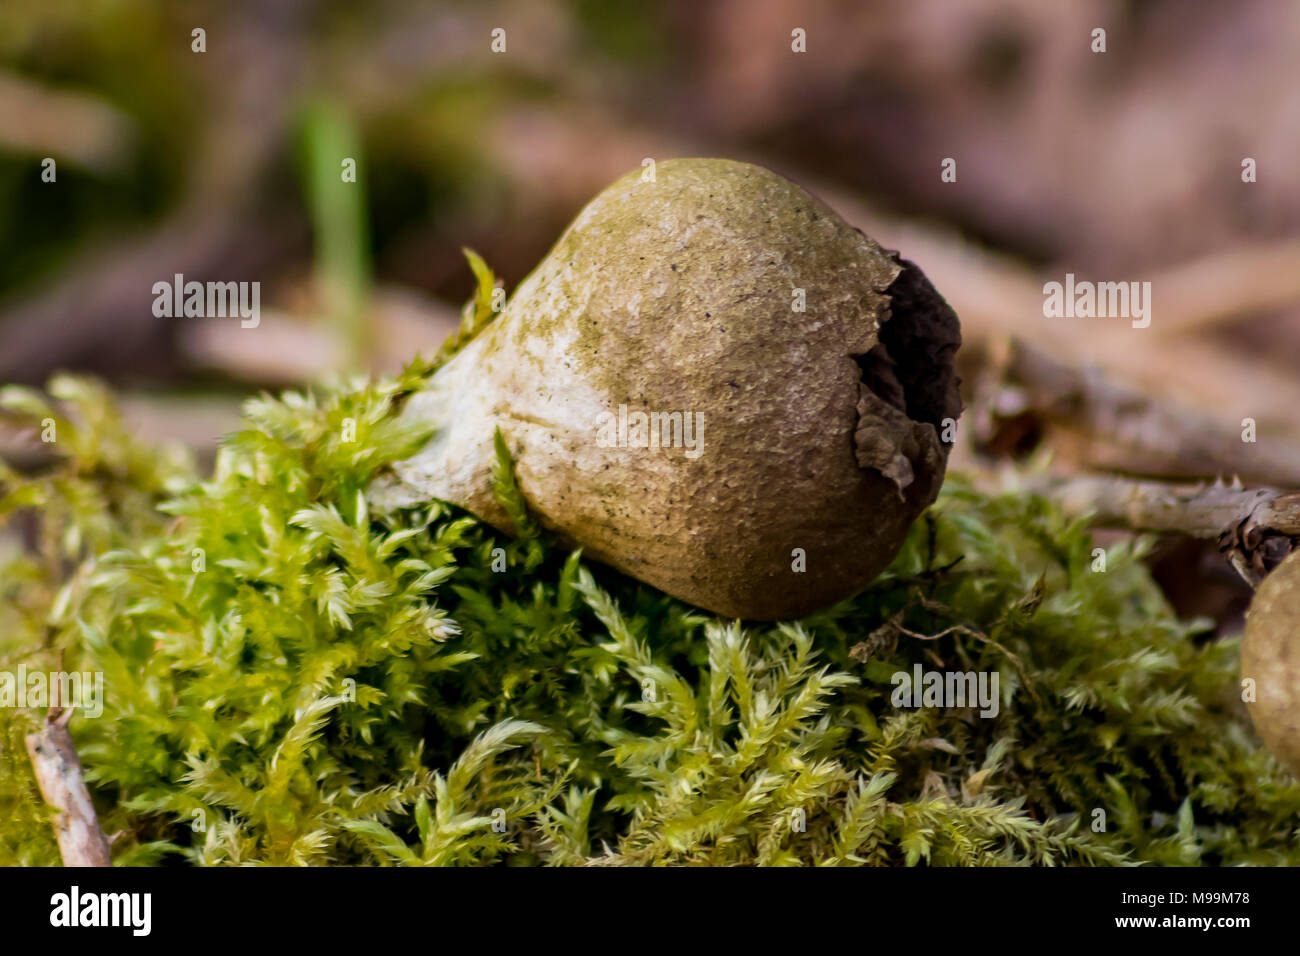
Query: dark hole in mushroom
912, 365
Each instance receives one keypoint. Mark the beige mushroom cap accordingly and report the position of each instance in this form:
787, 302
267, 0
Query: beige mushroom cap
1270, 656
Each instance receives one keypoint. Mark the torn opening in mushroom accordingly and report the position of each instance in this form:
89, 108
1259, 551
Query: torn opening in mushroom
909, 383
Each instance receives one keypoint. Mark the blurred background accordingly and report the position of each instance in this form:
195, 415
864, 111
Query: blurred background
224, 165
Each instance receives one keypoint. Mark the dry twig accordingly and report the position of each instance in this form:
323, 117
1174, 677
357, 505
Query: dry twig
1255, 527
1110, 427
58, 773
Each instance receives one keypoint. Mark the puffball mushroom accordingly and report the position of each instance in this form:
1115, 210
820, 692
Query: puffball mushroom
712, 383
1270, 656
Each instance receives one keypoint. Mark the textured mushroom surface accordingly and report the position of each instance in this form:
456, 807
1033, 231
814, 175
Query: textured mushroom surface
1270, 656
813, 368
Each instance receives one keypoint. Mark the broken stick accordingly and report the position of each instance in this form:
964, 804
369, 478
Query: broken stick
1255, 527
58, 774
1108, 426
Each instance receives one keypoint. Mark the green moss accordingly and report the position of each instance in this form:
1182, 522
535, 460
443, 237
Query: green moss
291, 679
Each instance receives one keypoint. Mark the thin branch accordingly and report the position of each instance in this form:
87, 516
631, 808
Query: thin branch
1255, 527
1109, 426
58, 773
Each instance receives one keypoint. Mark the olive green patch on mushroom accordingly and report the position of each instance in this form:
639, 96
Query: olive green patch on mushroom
677, 296
1270, 656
